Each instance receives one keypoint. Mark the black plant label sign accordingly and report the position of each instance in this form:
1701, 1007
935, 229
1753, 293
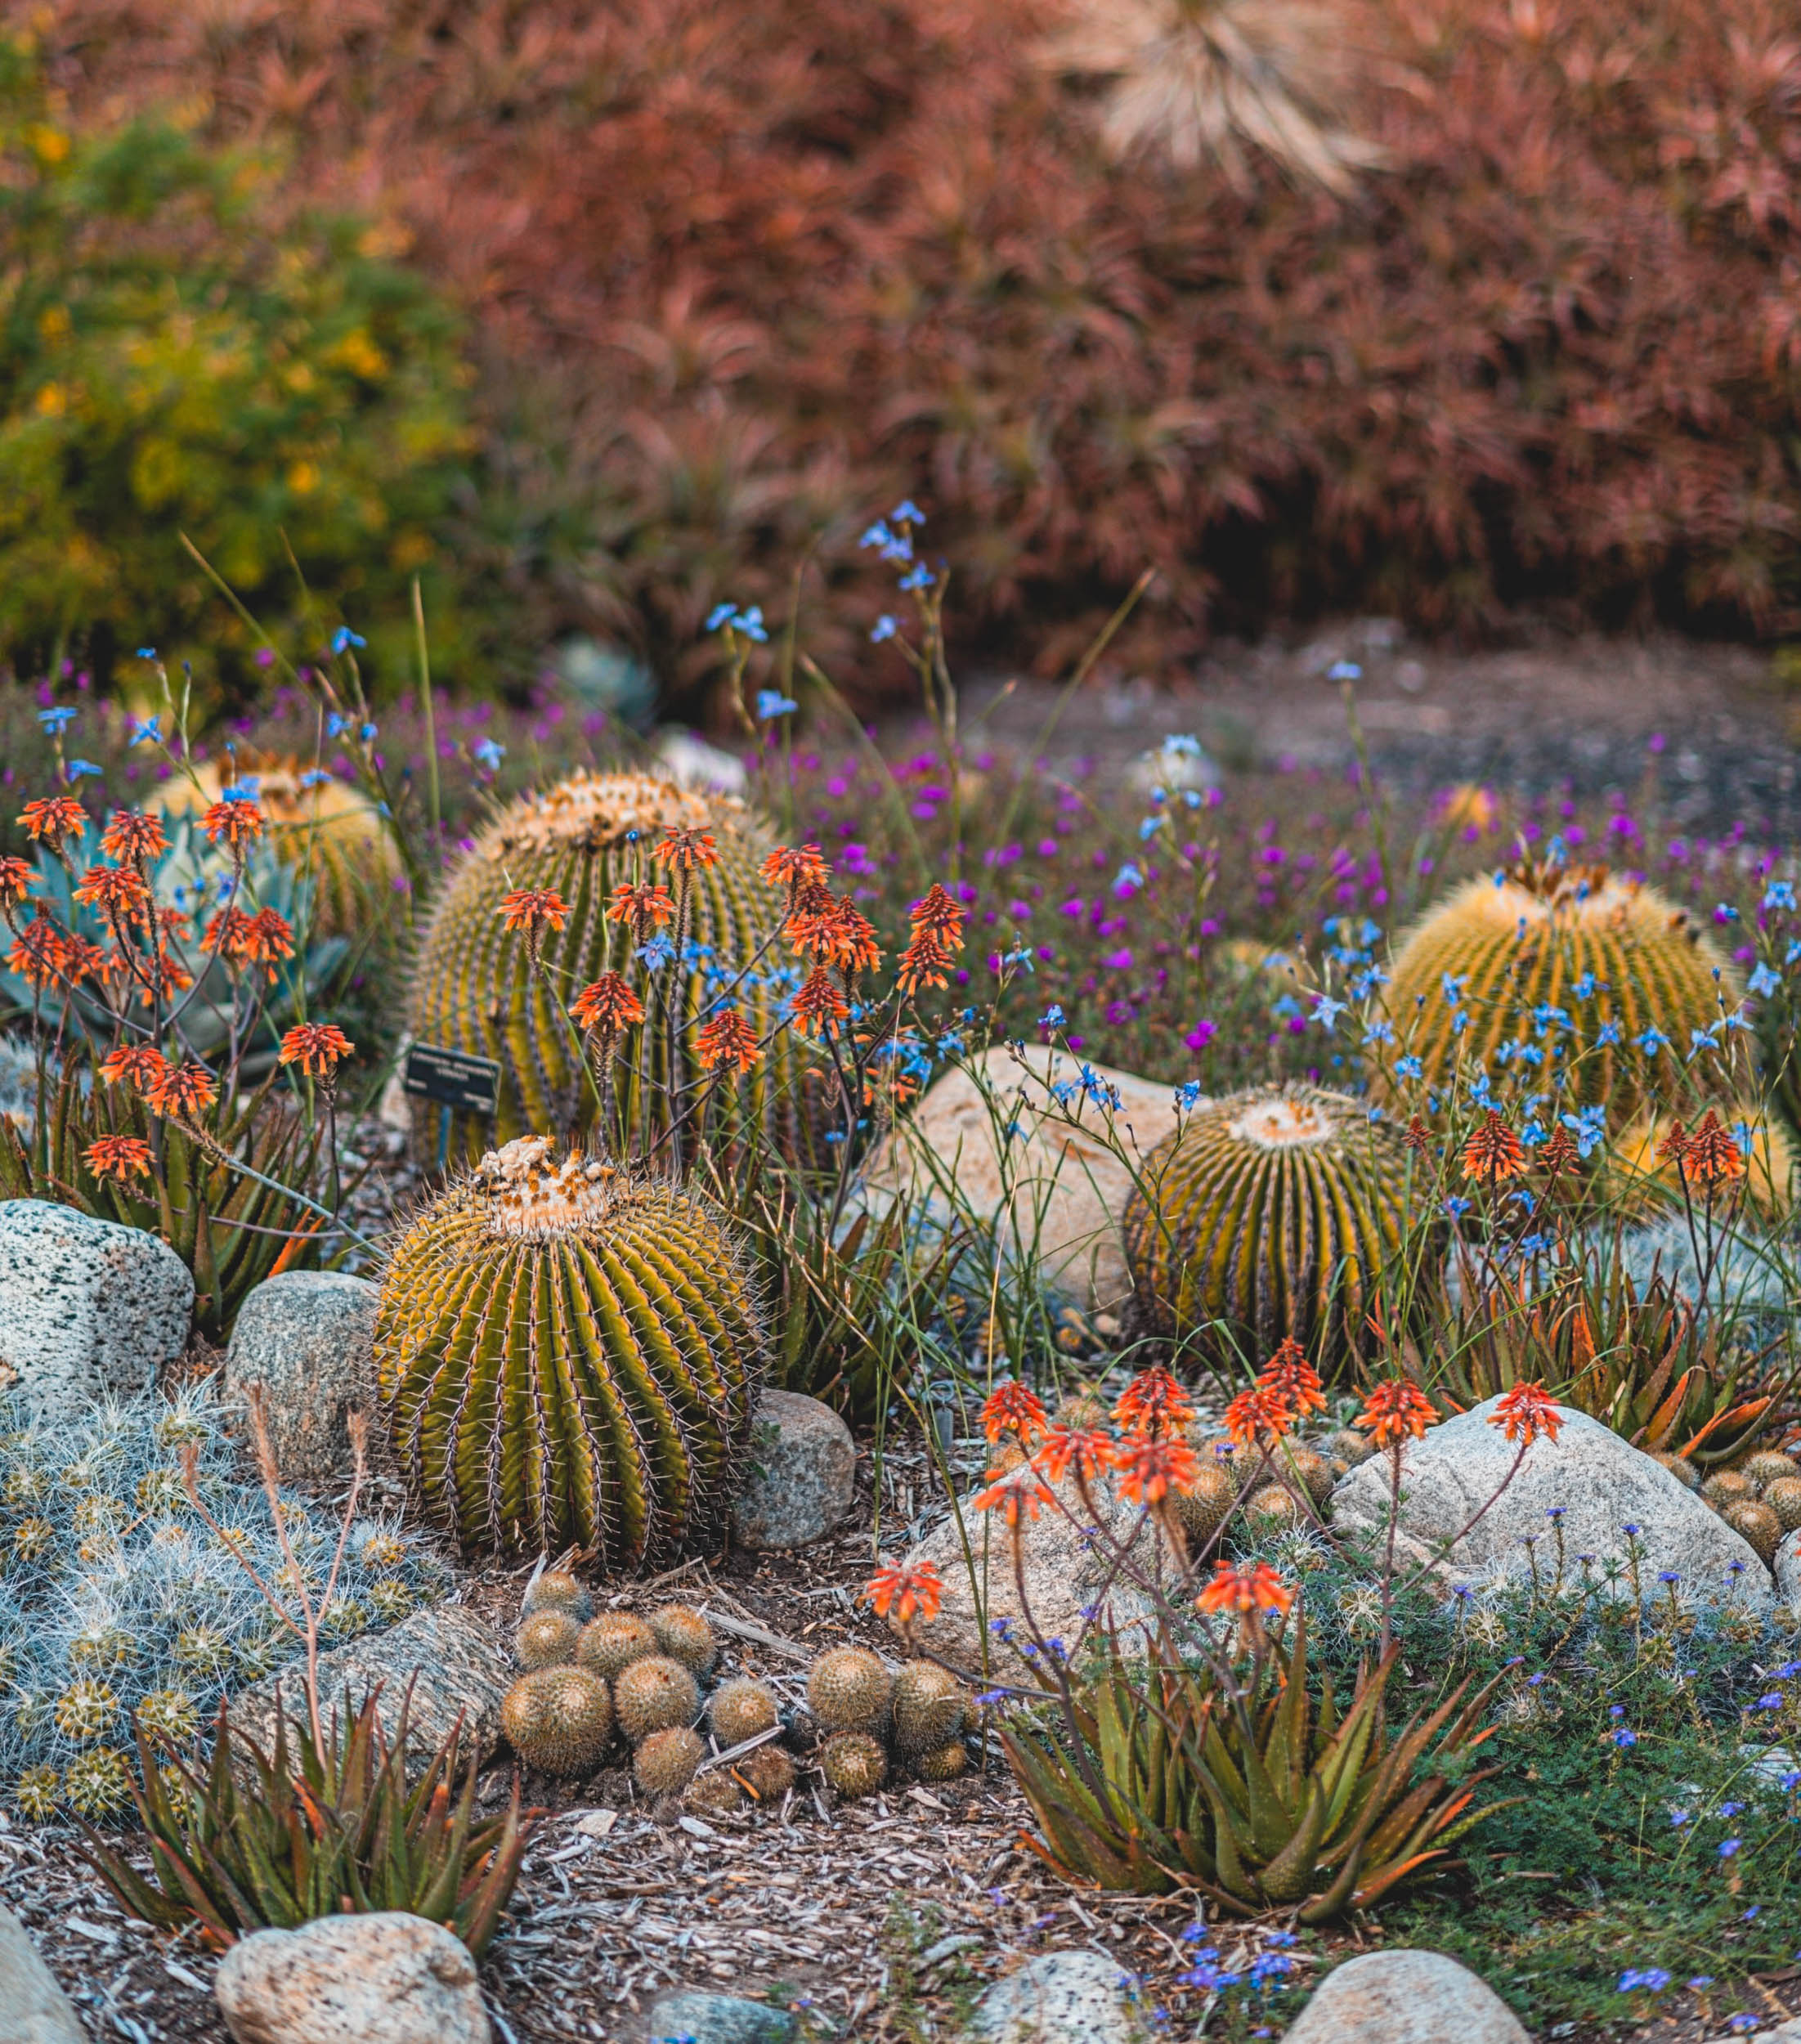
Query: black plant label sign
452, 1078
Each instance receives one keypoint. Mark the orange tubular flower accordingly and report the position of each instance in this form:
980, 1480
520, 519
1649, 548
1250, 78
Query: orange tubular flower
41, 956
925, 963
118, 1157
139, 1066
1014, 1408
188, 1089
1258, 1416
133, 837
727, 1039
902, 1591
1292, 1379
839, 934
235, 818
115, 890
819, 1008
941, 915
607, 1005
1154, 1403
1525, 1412
15, 881
270, 938
1396, 1411
683, 850
316, 1047
228, 933
1150, 1469
1019, 1491
1711, 1156
1670, 1150
795, 867
1085, 1449
1493, 1152
1560, 1153
534, 910
54, 817
1245, 1590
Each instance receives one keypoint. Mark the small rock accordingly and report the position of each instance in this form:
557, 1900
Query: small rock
1405, 1997
456, 1663
694, 764
1070, 1187
387, 1978
307, 1337
1602, 1485
803, 1466
33, 2009
1788, 1569
88, 1309
1065, 1570
1062, 1997
717, 2019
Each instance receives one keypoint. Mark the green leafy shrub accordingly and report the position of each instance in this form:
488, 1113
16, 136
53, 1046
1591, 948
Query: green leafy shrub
180, 353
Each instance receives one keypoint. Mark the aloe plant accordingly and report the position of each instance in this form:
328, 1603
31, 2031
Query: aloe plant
1263, 1799
230, 1228
1641, 1359
265, 1841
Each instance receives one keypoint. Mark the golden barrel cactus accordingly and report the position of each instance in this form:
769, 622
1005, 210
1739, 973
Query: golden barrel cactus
1270, 1213
473, 989
1556, 967
321, 828
568, 1357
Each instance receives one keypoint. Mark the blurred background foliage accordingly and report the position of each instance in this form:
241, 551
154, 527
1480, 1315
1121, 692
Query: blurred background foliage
1498, 304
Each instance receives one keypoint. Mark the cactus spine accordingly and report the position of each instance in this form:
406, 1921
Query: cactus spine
740, 1710
655, 1696
664, 1762
928, 1706
848, 1691
1579, 940
610, 1644
684, 1636
474, 992
557, 1720
569, 1357
853, 1763
546, 1638
1270, 1213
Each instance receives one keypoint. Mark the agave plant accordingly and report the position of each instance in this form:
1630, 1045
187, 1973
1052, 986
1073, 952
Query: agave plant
1640, 1358
264, 1841
232, 1228
1258, 1796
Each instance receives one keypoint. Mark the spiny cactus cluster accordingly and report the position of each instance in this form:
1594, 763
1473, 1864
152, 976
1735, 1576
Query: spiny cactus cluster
641, 1676
870, 1719
1268, 1214
568, 1357
1758, 1496
1262, 1488
1557, 966
474, 990
116, 1601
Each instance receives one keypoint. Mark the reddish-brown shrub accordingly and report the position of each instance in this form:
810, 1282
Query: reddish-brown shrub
749, 272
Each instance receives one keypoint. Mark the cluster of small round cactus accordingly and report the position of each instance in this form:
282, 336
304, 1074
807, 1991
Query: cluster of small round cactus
589, 1677
120, 1606
1759, 1497
870, 1717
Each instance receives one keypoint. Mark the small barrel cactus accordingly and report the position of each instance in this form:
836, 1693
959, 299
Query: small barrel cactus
1550, 957
473, 990
741, 1709
848, 1691
684, 1635
557, 1720
1757, 1524
569, 1356
768, 1773
943, 1763
610, 1644
546, 1638
664, 1762
853, 1763
556, 1590
928, 1702
1271, 1213
653, 1696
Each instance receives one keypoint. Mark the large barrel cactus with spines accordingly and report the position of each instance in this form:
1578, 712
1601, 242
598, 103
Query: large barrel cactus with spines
1557, 968
473, 989
568, 1356
320, 827
1271, 1213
